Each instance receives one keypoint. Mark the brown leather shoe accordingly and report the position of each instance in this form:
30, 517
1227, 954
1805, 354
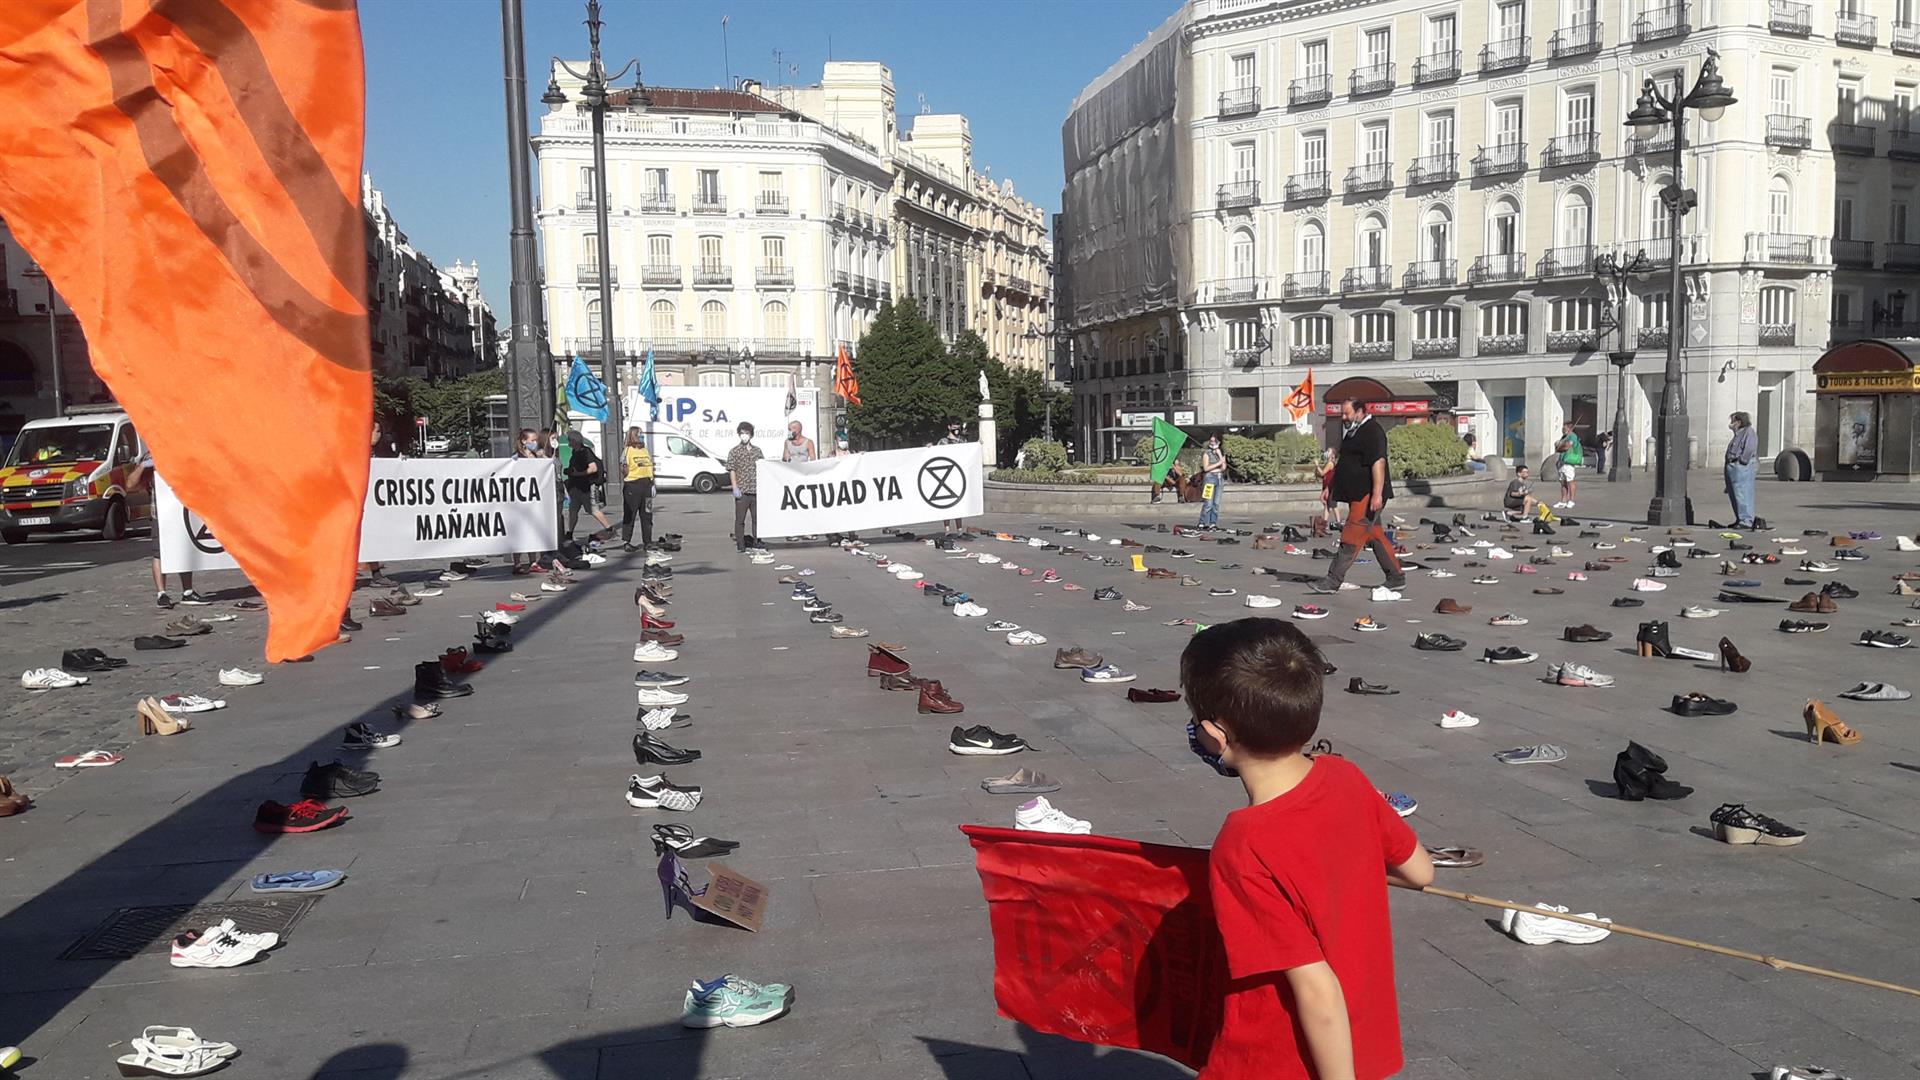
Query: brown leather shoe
883, 662
902, 682
1265, 543
1076, 657
1841, 541
664, 637
1824, 605
1153, 697
1160, 573
1597, 566
1809, 602
1585, 632
1128, 541
1450, 606
934, 699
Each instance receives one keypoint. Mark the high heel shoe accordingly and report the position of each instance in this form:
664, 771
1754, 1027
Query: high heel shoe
1730, 658
1653, 641
1824, 726
155, 720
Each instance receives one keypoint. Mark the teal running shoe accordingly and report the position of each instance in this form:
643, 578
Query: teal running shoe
730, 1001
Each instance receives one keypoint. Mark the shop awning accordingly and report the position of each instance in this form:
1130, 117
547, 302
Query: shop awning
1867, 367
1382, 396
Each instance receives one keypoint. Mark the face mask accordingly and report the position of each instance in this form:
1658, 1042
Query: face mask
745, 439
1193, 743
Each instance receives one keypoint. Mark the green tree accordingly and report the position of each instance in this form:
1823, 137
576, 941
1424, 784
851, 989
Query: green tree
456, 409
909, 381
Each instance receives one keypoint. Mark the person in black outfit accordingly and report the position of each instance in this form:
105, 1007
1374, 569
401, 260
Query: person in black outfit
583, 475
1360, 479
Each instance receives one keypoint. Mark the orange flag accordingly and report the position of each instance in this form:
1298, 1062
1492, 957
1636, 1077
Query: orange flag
188, 173
844, 383
1300, 402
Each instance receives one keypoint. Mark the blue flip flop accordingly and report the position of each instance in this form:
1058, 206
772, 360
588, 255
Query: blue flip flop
298, 881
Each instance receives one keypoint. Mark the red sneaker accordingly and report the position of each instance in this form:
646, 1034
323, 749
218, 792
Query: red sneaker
307, 815
648, 622
504, 606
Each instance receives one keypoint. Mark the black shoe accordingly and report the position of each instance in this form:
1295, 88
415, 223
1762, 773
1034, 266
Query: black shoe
981, 740
430, 681
1798, 581
1644, 758
1736, 824
1735, 545
1438, 643
1840, 592
1698, 704
1106, 594
81, 660
1628, 601
335, 781
348, 626
1360, 686
163, 600
489, 643
649, 750
1802, 626
1585, 633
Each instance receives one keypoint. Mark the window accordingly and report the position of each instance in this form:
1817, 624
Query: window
660, 320
1241, 156
1849, 101
1243, 335
1440, 36
1577, 112
593, 322
1372, 241
1438, 323
1779, 206
1313, 248
1776, 306
1841, 311
1503, 320
1654, 311
774, 316
1578, 314
1843, 215
773, 253
1436, 235
773, 189
1377, 48
1507, 123
1243, 72
1313, 60
660, 251
1309, 331
1576, 220
586, 183
710, 253
1780, 94
707, 187
1897, 220
1902, 118
1373, 328
656, 183
1580, 13
1509, 20
1313, 152
1503, 227
1240, 255
590, 251
1658, 221
713, 320
1375, 144
1439, 134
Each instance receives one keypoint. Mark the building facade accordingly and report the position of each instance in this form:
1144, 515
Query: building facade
32, 316
1426, 191
422, 321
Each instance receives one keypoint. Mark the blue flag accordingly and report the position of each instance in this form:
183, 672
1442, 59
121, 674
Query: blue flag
585, 393
650, 387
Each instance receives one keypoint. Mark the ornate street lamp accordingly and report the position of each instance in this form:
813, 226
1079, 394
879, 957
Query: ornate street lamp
1656, 109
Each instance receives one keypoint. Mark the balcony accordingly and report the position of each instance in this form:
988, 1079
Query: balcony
1580, 40
1370, 350
1373, 176
886, 292
1370, 79
708, 275
862, 285
1431, 273
1488, 269
1857, 254
1236, 290
659, 202
1788, 131
589, 274
1562, 341
839, 211
1309, 185
1903, 256
1240, 193
1309, 354
1658, 143
583, 201
1789, 18
1657, 249
882, 229
779, 347
866, 221
660, 274
1562, 262
1792, 249
1500, 160
1507, 53
1860, 31
1579, 148
1363, 279
1501, 344
1668, 22
768, 204
1906, 39
1436, 68
1904, 145
709, 202
1310, 90
841, 280
1432, 169
1441, 348
1303, 283
1652, 337
1240, 101
1779, 334
773, 274
1850, 138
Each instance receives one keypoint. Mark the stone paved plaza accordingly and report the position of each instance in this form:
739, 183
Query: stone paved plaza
502, 920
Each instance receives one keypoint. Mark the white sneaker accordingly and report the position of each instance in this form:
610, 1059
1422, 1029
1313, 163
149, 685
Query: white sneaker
658, 719
212, 949
1499, 553
653, 695
1525, 926
910, 574
452, 575
1648, 585
1383, 595
658, 558
234, 676
593, 558
1039, 815
1454, 718
1436, 572
1560, 553
653, 652
1579, 675
967, 609
1255, 600
263, 942
506, 618
1905, 543
1694, 611
49, 679
190, 703
1507, 619
1025, 637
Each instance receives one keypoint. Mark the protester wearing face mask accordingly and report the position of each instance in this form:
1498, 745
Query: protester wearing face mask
743, 465
1741, 467
636, 489
1213, 476
954, 525
528, 446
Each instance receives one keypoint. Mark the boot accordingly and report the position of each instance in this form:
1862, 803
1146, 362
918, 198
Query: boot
1668, 559
1541, 528
1653, 641
1292, 535
1730, 658
1637, 783
430, 681
885, 662
934, 699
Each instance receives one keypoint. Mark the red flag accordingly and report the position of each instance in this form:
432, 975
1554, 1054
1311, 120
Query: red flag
844, 383
187, 172
1104, 940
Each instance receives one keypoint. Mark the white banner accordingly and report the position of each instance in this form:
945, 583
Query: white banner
868, 491
417, 508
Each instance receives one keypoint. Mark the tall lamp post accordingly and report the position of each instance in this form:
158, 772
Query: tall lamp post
53, 337
593, 91
1656, 109
1616, 274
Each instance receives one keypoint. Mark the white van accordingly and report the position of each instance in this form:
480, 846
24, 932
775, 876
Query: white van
680, 463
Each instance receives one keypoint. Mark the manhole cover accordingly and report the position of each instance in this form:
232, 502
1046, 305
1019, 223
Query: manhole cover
130, 932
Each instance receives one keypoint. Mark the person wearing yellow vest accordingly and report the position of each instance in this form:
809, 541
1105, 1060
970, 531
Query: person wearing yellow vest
636, 476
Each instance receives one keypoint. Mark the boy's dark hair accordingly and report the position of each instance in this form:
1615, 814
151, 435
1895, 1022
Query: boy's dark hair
1261, 677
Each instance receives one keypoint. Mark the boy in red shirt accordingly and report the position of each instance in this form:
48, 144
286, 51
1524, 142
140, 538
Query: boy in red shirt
1299, 876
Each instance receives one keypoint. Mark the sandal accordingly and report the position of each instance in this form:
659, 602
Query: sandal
183, 1038
416, 712
1455, 856
680, 840
92, 759
149, 1059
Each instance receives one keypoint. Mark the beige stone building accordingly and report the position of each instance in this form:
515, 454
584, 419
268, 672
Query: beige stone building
1421, 191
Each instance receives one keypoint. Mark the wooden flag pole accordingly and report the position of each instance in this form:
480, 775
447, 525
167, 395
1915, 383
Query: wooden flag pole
1771, 961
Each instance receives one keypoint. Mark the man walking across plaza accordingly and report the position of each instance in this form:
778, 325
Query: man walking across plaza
1742, 449
1360, 481
743, 468
1572, 456
583, 475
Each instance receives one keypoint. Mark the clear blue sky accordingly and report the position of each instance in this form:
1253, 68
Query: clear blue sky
436, 105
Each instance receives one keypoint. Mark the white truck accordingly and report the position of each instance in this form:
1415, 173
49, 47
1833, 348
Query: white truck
697, 427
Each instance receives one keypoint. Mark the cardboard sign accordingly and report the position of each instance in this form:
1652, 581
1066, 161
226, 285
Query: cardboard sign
870, 491
741, 901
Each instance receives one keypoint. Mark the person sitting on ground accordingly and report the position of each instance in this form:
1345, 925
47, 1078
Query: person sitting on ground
1299, 876
1475, 463
1519, 499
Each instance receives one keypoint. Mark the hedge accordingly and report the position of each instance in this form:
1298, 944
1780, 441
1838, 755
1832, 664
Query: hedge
1039, 476
1044, 454
1423, 451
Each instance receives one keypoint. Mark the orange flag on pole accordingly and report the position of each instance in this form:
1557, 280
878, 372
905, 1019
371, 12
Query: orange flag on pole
187, 172
1299, 403
844, 383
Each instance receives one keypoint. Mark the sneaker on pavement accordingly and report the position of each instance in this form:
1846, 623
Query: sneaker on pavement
983, 741
658, 678
1455, 718
1542, 928
652, 652
733, 1002
1039, 815
238, 677
654, 696
361, 736
657, 793
211, 949
304, 816
1105, 673
1025, 637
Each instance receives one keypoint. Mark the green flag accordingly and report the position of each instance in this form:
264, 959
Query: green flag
1162, 446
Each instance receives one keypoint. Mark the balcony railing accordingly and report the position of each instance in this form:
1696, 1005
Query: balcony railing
1432, 169
862, 285
1660, 142
583, 200
1787, 17
1657, 249
1240, 101
1576, 261
1310, 90
1236, 290
841, 280
1789, 248
1571, 340
764, 347
659, 202
1790, 131
1370, 79
1303, 283
1578, 40
1370, 350
1854, 253
1652, 337
709, 202
1906, 39
1237, 194
1428, 273
1360, 279
712, 274
773, 274
1850, 138
1373, 176
1436, 67
1497, 160
589, 274
660, 274
1668, 22
1903, 256
1309, 354
1491, 268
1439, 348
769, 204
1501, 344
1857, 30
1579, 148
1309, 185
1506, 53
1779, 334
1903, 144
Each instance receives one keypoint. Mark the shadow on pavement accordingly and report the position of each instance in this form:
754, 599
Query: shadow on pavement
1048, 1057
